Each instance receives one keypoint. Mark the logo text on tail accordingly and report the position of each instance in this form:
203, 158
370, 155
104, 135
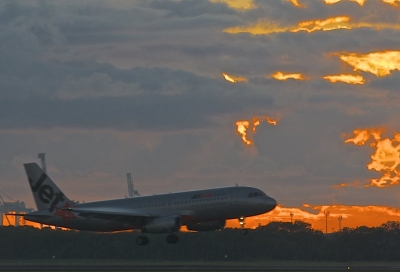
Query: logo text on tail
46, 192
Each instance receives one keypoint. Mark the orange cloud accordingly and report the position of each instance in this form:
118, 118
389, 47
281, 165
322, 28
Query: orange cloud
350, 79
362, 2
296, 3
242, 127
331, 2
262, 27
378, 63
361, 136
234, 79
351, 216
352, 184
391, 2
281, 76
237, 4
385, 157
326, 24
265, 27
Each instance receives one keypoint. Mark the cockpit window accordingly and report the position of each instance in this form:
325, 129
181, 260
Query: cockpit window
256, 194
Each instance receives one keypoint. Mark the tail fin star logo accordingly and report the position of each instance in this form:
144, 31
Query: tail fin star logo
64, 213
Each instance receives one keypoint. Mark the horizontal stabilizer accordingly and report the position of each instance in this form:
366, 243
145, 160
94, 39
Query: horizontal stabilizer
15, 214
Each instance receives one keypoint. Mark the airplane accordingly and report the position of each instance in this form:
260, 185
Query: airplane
201, 210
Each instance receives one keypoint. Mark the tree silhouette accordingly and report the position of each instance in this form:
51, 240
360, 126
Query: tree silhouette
275, 241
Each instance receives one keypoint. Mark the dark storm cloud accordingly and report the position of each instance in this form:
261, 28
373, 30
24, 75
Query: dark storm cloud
389, 83
45, 94
147, 112
191, 8
120, 85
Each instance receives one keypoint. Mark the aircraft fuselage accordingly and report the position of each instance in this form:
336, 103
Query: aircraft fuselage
191, 207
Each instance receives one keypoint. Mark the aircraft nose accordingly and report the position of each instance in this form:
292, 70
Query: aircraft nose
270, 203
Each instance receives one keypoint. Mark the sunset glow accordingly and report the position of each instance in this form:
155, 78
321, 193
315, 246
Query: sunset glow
266, 27
385, 157
352, 216
350, 79
378, 63
10, 220
281, 76
295, 99
392, 2
296, 3
330, 2
237, 4
243, 126
351, 184
234, 79
361, 136
325, 25
362, 2
263, 27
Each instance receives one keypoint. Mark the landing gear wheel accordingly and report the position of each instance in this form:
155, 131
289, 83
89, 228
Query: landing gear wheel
241, 222
142, 240
172, 239
244, 231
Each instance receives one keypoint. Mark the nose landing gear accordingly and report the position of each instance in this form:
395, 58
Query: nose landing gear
243, 230
172, 239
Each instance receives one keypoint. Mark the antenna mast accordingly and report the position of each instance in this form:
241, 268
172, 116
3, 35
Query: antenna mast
130, 184
42, 156
131, 190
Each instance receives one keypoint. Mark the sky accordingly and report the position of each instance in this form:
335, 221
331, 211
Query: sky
298, 98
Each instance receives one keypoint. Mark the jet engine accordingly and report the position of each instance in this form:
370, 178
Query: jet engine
206, 226
164, 224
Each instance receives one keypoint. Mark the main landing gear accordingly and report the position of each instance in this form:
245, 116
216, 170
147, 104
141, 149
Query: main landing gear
172, 239
143, 240
243, 230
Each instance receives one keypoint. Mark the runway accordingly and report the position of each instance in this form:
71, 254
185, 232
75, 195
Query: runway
204, 267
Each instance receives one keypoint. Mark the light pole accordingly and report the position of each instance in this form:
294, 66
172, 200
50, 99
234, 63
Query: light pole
340, 222
291, 218
326, 221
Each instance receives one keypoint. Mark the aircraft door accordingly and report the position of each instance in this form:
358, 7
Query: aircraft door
234, 196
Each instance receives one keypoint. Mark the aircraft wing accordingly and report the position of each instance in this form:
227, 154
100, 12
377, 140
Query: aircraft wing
109, 211
112, 214
123, 215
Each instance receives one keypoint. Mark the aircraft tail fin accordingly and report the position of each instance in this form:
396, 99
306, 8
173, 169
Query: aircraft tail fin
45, 192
